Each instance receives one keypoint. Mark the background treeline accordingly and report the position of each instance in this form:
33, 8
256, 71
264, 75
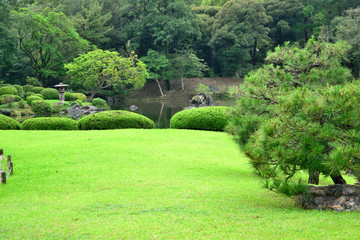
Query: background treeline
38, 37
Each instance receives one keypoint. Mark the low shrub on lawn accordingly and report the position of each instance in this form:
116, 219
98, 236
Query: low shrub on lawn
114, 120
203, 118
41, 108
7, 123
49, 123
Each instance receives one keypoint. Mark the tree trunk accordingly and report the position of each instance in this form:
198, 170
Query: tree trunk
314, 177
182, 82
337, 178
92, 95
161, 91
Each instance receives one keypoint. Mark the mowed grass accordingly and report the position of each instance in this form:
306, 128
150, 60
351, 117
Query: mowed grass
147, 184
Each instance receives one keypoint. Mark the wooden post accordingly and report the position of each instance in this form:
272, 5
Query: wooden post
10, 165
1, 154
3, 177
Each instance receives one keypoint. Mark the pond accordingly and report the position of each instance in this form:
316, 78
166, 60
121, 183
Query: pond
161, 111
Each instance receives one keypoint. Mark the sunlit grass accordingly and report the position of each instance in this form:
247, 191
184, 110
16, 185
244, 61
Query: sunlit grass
147, 184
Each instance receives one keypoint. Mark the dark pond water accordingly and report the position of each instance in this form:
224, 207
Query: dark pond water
162, 111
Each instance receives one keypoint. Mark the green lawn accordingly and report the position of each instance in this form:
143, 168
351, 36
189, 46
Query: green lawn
147, 184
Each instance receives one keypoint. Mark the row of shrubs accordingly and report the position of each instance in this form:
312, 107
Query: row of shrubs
15, 93
98, 121
209, 118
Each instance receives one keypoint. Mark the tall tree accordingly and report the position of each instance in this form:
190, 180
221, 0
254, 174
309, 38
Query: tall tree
100, 69
49, 40
239, 31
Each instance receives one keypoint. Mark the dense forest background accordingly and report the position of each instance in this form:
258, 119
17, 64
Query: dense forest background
218, 37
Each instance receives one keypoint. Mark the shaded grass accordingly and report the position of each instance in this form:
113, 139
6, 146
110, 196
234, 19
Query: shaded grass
147, 184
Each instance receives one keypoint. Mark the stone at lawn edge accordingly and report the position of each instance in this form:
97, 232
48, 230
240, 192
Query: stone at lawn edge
339, 197
76, 111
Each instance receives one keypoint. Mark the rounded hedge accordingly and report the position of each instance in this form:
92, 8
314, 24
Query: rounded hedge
69, 96
80, 96
7, 123
114, 120
28, 88
41, 108
20, 90
28, 94
203, 118
32, 98
50, 93
3, 98
37, 89
8, 90
49, 123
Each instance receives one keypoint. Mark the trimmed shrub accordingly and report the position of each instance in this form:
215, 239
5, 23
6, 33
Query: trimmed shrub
21, 104
114, 120
28, 88
41, 108
49, 123
32, 98
69, 97
28, 94
20, 90
80, 96
8, 90
7, 123
50, 93
37, 89
203, 118
99, 103
8, 99
39, 95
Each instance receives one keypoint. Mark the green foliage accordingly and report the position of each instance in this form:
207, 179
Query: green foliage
49, 123
50, 93
298, 112
32, 81
21, 104
114, 120
32, 98
69, 96
28, 88
203, 118
7, 99
37, 89
20, 90
99, 103
203, 89
287, 188
7, 123
8, 90
41, 108
38, 95
28, 94
80, 96
103, 69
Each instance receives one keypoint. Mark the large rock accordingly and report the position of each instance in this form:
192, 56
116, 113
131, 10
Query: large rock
340, 197
201, 100
76, 111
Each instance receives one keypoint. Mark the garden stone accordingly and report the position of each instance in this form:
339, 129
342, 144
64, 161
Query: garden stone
6, 112
201, 100
76, 111
339, 197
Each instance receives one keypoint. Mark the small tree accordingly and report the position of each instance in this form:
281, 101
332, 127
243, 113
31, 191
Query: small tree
103, 69
186, 64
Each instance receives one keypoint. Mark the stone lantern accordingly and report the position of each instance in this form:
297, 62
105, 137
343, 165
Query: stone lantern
61, 87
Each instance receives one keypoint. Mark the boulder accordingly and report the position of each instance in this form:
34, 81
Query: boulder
201, 100
76, 111
339, 197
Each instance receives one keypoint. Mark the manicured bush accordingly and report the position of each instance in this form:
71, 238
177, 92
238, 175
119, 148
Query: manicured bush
28, 94
41, 108
80, 96
50, 93
8, 90
21, 104
7, 99
99, 103
28, 88
114, 120
7, 123
32, 98
203, 118
20, 90
69, 96
39, 95
49, 123
37, 89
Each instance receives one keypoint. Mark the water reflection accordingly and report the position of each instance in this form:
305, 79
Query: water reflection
161, 111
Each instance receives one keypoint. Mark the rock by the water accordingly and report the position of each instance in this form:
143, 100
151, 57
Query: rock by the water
201, 100
76, 111
133, 107
6, 112
339, 197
